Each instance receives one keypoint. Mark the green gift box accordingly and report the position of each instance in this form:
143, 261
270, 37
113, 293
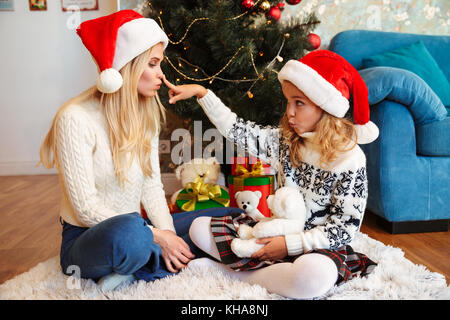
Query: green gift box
191, 201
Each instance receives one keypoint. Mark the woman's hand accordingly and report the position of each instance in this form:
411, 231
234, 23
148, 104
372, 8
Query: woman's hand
184, 92
175, 251
275, 249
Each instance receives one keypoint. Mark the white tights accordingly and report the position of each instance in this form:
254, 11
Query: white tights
310, 275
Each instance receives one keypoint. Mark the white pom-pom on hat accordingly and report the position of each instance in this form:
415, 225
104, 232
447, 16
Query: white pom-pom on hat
109, 81
367, 132
116, 39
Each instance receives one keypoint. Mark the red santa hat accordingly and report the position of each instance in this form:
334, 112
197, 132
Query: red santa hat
328, 80
115, 40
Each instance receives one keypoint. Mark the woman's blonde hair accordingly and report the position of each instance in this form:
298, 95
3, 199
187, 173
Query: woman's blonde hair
132, 121
332, 136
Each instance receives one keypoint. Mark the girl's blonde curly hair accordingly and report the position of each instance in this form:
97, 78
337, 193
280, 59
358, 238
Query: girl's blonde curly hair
332, 136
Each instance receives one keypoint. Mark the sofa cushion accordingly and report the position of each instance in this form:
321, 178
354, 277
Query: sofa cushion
417, 59
433, 139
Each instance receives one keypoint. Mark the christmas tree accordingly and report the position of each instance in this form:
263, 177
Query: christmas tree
233, 47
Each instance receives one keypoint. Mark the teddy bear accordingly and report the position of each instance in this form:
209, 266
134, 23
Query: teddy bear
208, 169
288, 217
248, 201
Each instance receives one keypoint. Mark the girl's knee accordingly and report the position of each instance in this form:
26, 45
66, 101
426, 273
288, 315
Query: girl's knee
198, 228
313, 275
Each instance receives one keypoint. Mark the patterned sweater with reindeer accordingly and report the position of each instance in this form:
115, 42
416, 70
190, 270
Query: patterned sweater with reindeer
335, 196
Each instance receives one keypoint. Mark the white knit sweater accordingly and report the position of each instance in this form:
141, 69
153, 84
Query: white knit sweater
91, 190
335, 196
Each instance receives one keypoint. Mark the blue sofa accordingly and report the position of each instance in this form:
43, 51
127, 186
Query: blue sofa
408, 166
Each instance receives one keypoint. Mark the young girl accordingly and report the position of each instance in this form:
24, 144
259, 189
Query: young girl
314, 148
104, 144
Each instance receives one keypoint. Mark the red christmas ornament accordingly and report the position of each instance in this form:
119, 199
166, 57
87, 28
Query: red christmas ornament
248, 4
274, 13
280, 5
292, 2
314, 41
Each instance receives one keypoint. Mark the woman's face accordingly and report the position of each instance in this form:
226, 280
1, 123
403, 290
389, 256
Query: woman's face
151, 78
303, 114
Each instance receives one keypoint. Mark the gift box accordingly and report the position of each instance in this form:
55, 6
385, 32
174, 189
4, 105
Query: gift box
264, 184
235, 161
247, 162
199, 195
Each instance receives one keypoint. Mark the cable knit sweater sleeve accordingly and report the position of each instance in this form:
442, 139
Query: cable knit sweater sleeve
259, 141
75, 142
153, 197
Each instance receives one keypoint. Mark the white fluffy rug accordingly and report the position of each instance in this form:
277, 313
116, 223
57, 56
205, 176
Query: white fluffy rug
395, 277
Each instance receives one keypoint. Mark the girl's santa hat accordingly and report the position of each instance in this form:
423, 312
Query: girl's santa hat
328, 80
115, 40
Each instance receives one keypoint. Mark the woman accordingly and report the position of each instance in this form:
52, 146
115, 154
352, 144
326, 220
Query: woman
315, 149
104, 144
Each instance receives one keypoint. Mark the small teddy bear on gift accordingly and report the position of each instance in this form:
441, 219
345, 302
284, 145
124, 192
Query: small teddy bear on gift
288, 217
248, 201
207, 169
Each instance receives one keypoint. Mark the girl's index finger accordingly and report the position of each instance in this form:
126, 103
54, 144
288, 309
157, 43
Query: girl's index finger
170, 85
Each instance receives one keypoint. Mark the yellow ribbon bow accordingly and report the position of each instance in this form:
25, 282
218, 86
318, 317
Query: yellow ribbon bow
201, 192
257, 170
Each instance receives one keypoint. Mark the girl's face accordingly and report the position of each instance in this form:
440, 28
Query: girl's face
303, 114
151, 78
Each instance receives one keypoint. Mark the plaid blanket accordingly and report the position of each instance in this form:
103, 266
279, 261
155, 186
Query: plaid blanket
224, 229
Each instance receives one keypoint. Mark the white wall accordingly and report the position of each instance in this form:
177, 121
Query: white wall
43, 63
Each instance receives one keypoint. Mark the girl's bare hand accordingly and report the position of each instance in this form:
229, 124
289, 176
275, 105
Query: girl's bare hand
274, 249
183, 92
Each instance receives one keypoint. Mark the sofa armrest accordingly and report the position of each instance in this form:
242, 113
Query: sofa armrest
406, 88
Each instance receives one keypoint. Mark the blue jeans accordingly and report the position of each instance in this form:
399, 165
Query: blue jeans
124, 244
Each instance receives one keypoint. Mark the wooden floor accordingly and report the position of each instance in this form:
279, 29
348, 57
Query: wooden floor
30, 231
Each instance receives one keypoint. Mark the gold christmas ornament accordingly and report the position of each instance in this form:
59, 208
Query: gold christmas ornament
265, 5
250, 95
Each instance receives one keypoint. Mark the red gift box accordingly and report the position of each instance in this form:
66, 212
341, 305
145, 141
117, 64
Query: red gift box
264, 184
238, 160
247, 162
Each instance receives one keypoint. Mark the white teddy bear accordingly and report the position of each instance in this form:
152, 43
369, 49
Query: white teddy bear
208, 169
288, 217
248, 201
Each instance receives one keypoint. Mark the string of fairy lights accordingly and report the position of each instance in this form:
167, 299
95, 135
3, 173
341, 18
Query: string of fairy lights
215, 76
